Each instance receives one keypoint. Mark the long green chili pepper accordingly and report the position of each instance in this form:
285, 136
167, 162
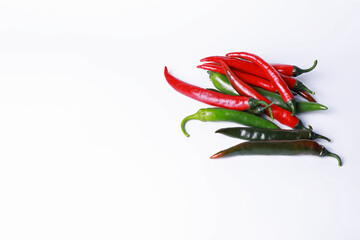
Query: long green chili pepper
221, 82
277, 147
221, 114
270, 134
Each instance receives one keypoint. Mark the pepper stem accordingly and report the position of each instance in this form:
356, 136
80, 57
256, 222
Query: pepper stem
297, 71
315, 135
299, 86
185, 120
330, 154
262, 109
325, 152
254, 102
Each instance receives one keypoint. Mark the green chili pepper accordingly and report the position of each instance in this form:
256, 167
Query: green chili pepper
277, 147
270, 134
221, 82
222, 114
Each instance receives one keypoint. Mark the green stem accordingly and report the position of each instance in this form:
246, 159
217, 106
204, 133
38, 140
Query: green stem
299, 86
256, 102
262, 109
185, 120
316, 135
297, 71
330, 154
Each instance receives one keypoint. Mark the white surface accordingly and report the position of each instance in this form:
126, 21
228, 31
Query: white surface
91, 146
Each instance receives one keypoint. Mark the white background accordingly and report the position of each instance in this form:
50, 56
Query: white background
90, 142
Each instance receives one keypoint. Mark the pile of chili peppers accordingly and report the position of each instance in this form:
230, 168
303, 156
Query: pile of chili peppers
246, 88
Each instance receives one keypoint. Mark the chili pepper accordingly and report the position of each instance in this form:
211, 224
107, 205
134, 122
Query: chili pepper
307, 96
272, 75
251, 79
248, 69
221, 82
291, 70
301, 106
277, 147
280, 114
240, 64
270, 134
246, 77
221, 114
211, 97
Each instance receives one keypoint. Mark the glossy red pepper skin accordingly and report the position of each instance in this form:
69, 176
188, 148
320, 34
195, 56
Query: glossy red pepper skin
252, 68
239, 64
284, 69
280, 114
291, 70
290, 81
211, 97
246, 77
253, 77
272, 75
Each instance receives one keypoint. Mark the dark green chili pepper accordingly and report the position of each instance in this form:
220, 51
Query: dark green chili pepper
270, 134
221, 82
277, 147
222, 114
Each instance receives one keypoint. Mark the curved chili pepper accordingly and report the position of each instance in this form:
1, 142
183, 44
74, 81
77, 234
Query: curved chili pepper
246, 77
258, 134
213, 98
307, 96
221, 82
277, 147
283, 116
221, 114
291, 70
272, 75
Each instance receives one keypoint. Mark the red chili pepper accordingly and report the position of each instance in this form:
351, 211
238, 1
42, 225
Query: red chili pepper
280, 114
246, 77
306, 95
243, 65
213, 98
291, 70
272, 75
248, 69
